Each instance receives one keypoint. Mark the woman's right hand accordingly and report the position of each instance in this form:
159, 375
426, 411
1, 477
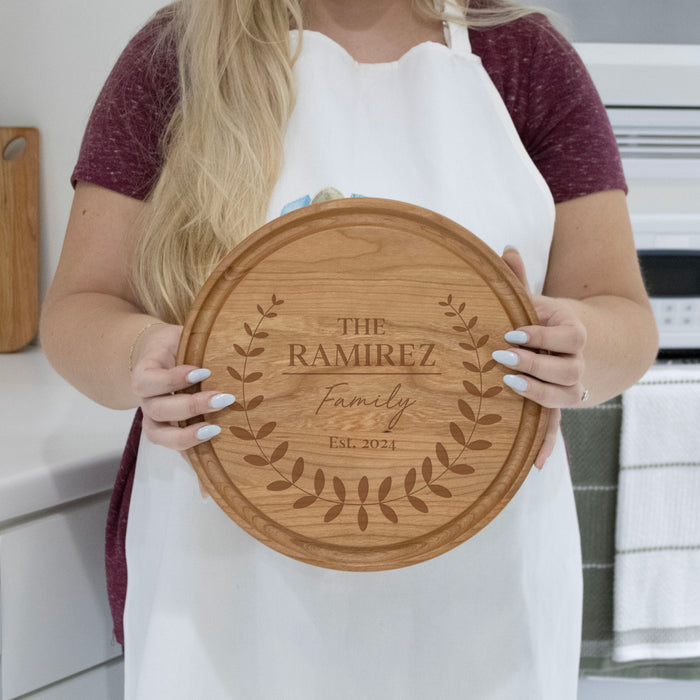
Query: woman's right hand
154, 379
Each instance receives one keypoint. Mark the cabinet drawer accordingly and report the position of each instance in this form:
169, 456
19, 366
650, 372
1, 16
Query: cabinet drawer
54, 609
106, 682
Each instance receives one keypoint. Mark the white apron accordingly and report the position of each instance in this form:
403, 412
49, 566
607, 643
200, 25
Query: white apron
211, 614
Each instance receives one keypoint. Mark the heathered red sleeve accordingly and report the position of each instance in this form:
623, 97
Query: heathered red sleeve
121, 146
554, 104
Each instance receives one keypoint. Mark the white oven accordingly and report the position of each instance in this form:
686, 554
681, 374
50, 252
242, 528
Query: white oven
644, 57
660, 148
652, 94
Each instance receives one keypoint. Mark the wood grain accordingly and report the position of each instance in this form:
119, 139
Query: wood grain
19, 240
371, 429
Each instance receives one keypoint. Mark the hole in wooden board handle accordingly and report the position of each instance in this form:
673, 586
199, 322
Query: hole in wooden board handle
14, 149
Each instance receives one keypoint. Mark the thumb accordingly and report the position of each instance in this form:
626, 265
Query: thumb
512, 258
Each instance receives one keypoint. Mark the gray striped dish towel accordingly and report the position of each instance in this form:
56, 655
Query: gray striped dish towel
657, 537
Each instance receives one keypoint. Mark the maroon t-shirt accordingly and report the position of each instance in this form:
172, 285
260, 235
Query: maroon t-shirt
541, 79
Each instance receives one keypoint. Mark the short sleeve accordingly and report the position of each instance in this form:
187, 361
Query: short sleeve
122, 144
554, 105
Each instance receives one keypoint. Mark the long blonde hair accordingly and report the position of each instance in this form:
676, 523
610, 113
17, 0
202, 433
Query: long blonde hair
223, 145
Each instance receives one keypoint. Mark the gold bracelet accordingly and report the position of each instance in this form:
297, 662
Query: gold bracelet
136, 340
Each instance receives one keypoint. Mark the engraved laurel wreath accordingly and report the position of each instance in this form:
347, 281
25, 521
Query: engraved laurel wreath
336, 493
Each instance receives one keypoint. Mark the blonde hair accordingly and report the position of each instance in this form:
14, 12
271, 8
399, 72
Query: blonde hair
223, 146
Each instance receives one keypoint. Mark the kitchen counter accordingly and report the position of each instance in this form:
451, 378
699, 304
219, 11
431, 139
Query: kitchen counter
59, 454
57, 445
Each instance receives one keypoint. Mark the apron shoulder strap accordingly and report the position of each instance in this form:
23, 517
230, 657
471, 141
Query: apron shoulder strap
457, 38
456, 34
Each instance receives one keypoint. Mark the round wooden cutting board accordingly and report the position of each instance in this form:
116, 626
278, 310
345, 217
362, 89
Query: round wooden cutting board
371, 428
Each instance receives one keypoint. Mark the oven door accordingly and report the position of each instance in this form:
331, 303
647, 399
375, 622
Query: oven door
672, 279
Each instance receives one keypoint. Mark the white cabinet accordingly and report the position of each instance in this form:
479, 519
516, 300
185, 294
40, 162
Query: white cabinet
59, 454
105, 682
53, 602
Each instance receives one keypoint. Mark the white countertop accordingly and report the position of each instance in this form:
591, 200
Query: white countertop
56, 445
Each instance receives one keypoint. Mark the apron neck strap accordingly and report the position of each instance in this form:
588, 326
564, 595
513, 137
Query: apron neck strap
456, 35
457, 38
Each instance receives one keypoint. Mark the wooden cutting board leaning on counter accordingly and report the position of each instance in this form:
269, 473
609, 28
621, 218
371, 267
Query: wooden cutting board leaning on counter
19, 236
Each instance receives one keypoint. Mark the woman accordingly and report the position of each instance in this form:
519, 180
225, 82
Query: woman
498, 128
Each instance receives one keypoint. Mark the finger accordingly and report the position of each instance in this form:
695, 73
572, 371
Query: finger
180, 439
559, 328
203, 490
566, 370
568, 339
545, 393
513, 259
150, 380
550, 438
178, 407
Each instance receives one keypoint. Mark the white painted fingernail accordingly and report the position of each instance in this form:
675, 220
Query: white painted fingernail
208, 432
198, 375
510, 247
221, 400
515, 382
517, 337
505, 357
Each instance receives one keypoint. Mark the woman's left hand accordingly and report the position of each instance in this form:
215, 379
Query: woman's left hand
554, 378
